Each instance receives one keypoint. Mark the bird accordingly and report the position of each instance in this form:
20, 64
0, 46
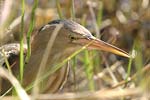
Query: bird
70, 37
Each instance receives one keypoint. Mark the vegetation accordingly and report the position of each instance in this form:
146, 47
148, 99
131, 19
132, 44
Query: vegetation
94, 74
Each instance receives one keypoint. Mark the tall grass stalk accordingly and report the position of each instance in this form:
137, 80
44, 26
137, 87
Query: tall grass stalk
72, 10
59, 9
93, 62
100, 13
138, 59
74, 65
88, 66
22, 41
129, 68
88, 63
98, 19
31, 26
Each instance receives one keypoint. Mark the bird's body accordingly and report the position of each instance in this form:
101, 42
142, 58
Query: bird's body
70, 38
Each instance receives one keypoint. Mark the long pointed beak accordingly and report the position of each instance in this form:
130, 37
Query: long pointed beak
101, 45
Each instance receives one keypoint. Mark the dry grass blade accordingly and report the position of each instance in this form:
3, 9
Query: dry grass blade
98, 95
46, 55
20, 91
144, 70
6, 11
103, 73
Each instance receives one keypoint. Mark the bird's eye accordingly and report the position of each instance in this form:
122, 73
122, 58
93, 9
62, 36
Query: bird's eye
72, 37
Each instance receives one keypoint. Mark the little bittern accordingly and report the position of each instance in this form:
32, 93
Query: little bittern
71, 37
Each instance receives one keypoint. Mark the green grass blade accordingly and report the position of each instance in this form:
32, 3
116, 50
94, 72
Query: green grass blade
59, 9
100, 13
32, 23
22, 42
72, 10
129, 68
74, 64
88, 66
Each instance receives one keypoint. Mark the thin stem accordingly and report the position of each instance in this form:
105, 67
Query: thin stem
32, 23
59, 9
22, 42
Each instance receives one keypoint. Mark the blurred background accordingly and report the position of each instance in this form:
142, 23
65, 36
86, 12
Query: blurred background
123, 23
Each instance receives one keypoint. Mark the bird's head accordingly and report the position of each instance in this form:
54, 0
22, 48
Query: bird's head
73, 35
